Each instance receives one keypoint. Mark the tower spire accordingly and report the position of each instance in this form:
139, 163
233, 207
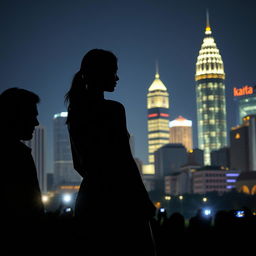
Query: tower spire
157, 70
208, 27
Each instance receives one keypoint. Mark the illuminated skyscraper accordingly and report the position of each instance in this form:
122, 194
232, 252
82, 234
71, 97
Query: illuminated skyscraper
37, 145
64, 173
158, 116
181, 132
210, 94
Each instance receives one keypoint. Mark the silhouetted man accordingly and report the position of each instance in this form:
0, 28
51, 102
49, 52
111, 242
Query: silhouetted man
21, 196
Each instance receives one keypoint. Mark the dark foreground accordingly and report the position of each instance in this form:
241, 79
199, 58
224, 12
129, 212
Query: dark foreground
62, 235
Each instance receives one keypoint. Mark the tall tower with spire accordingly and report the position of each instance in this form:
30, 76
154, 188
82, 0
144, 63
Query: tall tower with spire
210, 96
158, 116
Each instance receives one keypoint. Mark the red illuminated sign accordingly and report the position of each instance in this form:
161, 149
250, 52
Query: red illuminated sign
165, 115
152, 115
246, 90
161, 114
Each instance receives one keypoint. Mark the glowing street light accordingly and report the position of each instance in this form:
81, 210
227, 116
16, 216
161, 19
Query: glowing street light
45, 199
207, 212
181, 197
167, 198
205, 199
66, 198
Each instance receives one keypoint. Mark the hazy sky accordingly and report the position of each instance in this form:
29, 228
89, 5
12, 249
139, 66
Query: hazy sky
43, 41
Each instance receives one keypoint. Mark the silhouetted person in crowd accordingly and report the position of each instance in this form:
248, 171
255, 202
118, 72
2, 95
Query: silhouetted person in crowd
21, 204
112, 202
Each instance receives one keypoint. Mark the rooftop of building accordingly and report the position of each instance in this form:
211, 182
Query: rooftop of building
157, 84
180, 121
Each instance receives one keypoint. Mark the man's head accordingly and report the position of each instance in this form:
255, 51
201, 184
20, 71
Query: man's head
18, 113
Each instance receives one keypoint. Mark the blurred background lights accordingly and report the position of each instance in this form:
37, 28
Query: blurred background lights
205, 199
207, 212
67, 198
45, 198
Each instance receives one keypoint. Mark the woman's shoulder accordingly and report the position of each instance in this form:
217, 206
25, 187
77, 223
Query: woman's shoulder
115, 104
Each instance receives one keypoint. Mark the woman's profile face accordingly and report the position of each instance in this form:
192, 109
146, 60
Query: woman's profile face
100, 72
110, 78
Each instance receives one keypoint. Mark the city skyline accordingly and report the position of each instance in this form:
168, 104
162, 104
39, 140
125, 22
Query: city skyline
43, 45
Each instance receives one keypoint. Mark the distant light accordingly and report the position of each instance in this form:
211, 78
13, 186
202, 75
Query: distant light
205, 199
237, 136
167, 198
232, 174
45, 198
181, 197
66, 198
157, 205
162, 210
207, 212
231, 180
61, 114
230, 187
240, 214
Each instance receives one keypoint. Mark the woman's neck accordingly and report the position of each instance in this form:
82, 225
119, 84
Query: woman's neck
95, 94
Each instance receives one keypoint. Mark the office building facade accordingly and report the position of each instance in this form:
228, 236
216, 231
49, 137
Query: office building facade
37, 145
169, 158
210, 97
213, 179
243, 145
158, 117
181, 132
64, 173
221, 157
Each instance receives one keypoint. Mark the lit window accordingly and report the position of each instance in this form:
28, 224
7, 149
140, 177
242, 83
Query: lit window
237, 136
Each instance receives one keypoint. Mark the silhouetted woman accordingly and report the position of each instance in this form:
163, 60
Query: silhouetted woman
112, 203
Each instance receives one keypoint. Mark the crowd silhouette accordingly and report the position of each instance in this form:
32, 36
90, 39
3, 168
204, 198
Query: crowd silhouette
127, 223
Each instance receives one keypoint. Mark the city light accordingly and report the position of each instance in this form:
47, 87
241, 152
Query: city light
232, 174
181, 197
62, 114
66, 198
205, 199
207, 212
167, 198
240, 214
45, 198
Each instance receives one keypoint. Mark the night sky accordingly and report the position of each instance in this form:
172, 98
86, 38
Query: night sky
43, 41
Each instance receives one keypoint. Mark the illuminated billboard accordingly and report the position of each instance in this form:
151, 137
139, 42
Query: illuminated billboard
245, 90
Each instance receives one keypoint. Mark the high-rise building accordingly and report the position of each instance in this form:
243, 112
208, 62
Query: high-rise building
221, 157
158, 117
64, 173
169, 158
243, 145
210, 97
181, 132
245, 97
196, 157
37, 145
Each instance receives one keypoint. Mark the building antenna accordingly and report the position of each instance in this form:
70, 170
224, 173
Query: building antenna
157, 69
207, 18
208, 27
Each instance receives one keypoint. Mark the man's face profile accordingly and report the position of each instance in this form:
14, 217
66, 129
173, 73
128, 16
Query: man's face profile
27, 122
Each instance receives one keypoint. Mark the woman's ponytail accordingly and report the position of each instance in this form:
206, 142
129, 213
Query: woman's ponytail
76, 90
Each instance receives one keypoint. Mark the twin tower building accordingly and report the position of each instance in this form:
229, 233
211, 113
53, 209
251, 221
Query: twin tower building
210, 99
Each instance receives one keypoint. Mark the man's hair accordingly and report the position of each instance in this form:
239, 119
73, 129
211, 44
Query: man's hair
14, 100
